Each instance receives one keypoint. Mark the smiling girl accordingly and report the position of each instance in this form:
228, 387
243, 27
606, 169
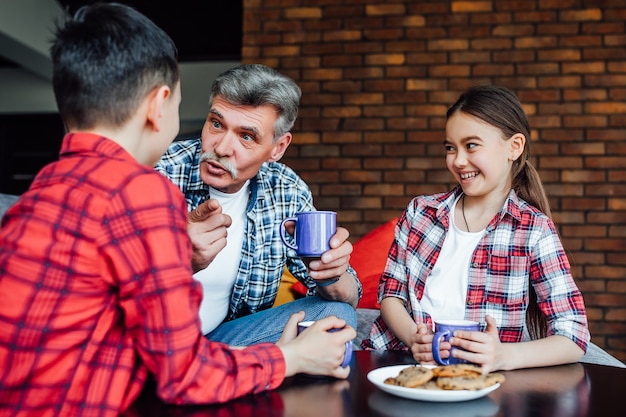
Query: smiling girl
486, 251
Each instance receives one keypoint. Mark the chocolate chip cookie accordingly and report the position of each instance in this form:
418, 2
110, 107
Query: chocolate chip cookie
411, 377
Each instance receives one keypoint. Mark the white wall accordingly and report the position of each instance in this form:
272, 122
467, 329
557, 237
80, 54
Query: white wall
196, 79
26, 27
25, 32
23, 92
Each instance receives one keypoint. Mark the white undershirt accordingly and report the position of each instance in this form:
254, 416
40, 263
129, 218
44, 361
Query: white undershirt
446, 286
219, 277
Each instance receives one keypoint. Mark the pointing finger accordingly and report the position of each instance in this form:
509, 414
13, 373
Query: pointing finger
203, 211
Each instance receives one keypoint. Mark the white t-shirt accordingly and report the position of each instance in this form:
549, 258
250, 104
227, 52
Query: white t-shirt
446, 287
219, 277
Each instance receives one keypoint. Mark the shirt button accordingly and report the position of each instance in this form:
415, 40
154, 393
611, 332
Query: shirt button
470, 302
475, 264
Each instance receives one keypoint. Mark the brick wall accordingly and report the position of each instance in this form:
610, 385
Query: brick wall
378, 75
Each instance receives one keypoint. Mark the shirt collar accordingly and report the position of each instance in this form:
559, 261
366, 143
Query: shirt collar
81, 142
443, 205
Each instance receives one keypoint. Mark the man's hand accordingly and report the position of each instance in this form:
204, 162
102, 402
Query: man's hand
334, 262
207, 229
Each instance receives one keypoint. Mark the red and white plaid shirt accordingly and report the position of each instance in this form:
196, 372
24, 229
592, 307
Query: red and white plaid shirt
520, 244
96, 290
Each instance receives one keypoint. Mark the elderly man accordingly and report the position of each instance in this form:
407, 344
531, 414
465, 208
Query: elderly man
237, 194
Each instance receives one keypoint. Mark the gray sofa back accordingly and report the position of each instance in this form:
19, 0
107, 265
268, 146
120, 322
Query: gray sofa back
6, 201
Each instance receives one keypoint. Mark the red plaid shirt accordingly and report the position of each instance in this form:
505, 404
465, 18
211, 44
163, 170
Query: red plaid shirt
520, 244
96, 291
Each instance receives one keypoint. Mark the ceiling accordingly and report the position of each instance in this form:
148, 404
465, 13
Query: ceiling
203, 30
208, 34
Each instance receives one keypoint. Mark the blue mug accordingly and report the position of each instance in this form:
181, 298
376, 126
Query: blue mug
444, 330
312, 232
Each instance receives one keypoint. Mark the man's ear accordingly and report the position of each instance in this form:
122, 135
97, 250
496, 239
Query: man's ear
517, 143
156, 99
280, 147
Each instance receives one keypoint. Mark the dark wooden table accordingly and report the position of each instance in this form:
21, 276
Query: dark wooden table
570, 390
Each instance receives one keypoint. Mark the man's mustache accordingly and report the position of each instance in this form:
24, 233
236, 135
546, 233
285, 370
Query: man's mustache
224, 162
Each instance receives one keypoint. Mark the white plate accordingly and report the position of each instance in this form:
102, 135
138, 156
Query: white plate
388, 405
378, 376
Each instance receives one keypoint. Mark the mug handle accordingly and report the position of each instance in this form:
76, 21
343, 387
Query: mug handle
347, 356
283, 230
436, 341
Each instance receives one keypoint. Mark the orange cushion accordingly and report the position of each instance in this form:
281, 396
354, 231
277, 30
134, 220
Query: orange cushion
369, 256
286, 292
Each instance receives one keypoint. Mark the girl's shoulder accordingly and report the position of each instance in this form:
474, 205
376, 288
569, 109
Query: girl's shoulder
528, 215
519, 207
435, 201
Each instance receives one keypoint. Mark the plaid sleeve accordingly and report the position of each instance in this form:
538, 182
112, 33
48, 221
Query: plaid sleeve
559, 297
151, 255
303, 202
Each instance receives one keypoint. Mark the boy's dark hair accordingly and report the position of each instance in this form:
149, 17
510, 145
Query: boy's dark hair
106, 59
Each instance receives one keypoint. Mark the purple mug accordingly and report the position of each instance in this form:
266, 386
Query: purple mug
346, 357
312, 233
444, 329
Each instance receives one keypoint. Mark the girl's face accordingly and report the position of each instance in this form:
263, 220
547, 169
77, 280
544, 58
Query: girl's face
478, 156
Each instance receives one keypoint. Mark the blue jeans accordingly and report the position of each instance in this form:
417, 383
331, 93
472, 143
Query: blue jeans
268, 325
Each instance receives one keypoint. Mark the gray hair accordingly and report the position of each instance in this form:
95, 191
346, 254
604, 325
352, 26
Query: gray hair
257, 85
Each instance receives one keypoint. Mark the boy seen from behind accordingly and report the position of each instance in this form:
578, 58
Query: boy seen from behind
96, 287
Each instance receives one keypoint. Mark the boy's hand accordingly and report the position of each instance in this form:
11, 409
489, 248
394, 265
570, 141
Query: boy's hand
316, 351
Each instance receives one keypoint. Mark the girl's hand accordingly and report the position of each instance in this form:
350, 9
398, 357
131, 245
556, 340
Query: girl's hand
421, 345
482, 348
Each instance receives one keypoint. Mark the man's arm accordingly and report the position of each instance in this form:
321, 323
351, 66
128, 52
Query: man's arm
345, 289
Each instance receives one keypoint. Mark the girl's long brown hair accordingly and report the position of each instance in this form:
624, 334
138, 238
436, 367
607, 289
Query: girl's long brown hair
501, 108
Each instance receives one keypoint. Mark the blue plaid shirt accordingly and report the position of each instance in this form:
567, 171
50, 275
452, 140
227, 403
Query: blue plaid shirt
520, 244
276, 192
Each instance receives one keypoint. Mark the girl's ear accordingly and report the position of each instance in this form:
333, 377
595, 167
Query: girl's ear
280, 147
155, 106
517, 143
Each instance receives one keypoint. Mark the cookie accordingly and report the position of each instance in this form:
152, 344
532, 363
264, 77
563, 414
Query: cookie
391, 381
412, 376
431, 385
461, 377
461, 369
469, 383
494, 378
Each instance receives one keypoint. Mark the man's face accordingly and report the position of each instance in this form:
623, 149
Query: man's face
236, 141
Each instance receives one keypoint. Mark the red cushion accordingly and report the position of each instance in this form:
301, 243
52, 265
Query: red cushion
368, 259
